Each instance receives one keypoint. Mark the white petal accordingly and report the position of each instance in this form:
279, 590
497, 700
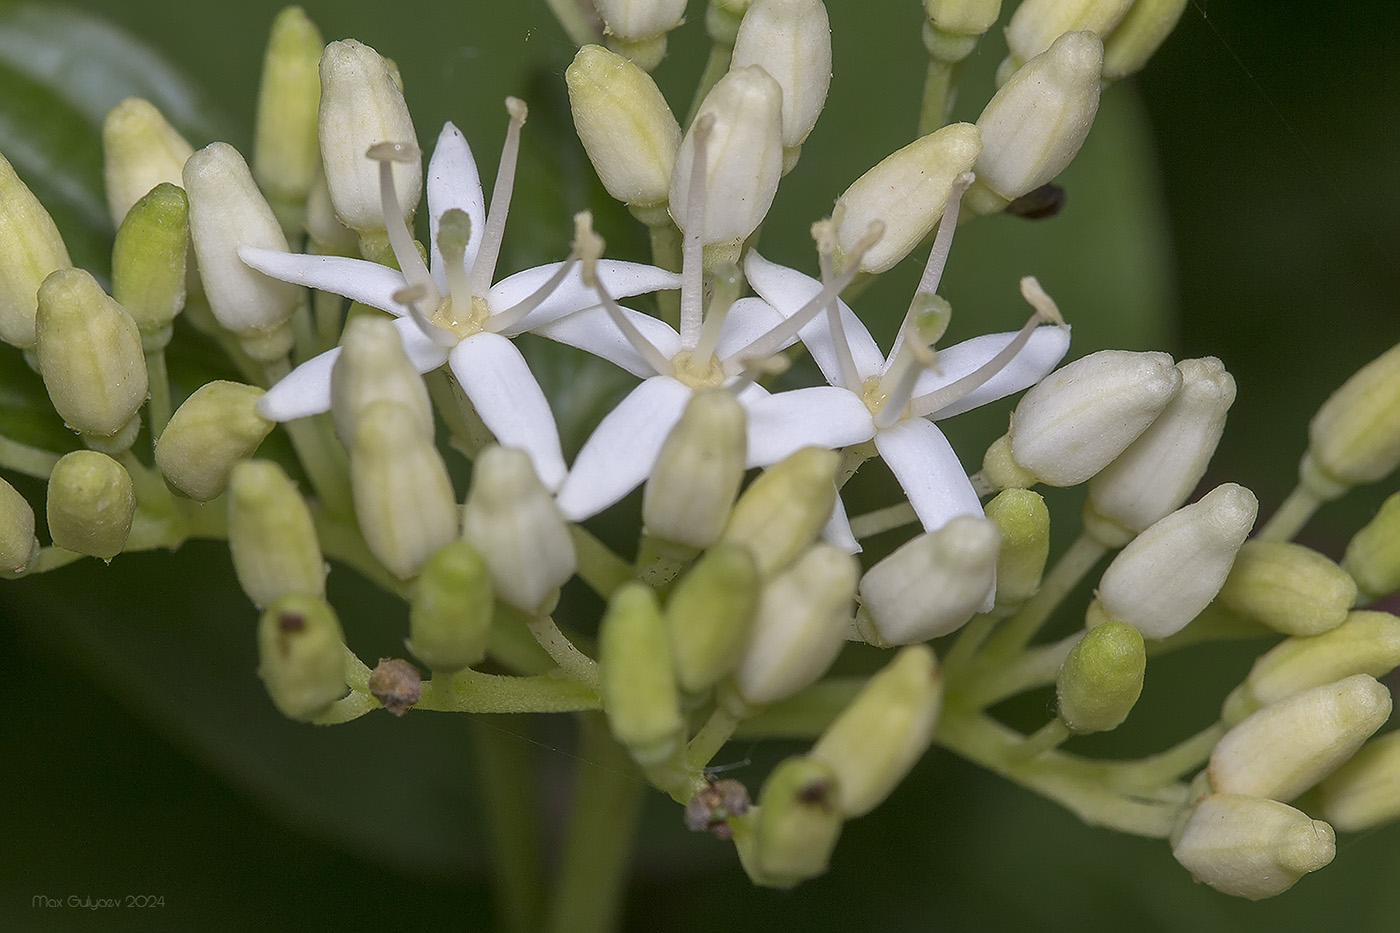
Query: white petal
304, 391
621, 279
923, 461
747, 320
621, 452
510, 402
357, 279
785, 422
788, 290
425, 353
453, 181
593, 330
837, 531
1037, 359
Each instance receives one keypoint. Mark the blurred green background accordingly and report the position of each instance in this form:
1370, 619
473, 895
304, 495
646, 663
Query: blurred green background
1238, 199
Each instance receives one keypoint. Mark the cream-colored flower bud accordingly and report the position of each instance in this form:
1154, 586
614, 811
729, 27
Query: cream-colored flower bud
1288, 587
1077, 420
1138, 35
1023, 521
362, 105
907, 192
872, 745
1161, 468
1247, 846
1373, 554
228, 211
216, 428
403, 496
1364, 792
710, 615
1355, 436
640, 19
744, 156
449, 617
149, 262
511, 518
286, 151
785, 508
963, 17
1038, 23
18, 546
1169, 573
373, 367
30, 248
933, 584
140, 149
1101, 679
791, 40
89, 352
794, 827
271, 535
638, 678
301, 652
1289, 746
625, 125
1036, 122
698, 472
91, 504
803, 616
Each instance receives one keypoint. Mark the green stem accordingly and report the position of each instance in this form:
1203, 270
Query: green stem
598, 565
987, 684
324, 463
1072, 566
721, 54
940, 88
1291, 516
506, 770
1159, 769
970, 640
158, 407
1049, 736
881, 520
469, 691
717, 730
666, 254
31, 461
556, 644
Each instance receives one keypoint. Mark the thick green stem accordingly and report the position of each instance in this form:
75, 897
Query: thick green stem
940, 88
31, 461
1072, 566
987, 684
1291, 516
158, 406
473, 692
717, 730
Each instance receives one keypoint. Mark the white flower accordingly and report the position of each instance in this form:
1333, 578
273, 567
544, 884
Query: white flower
452, 313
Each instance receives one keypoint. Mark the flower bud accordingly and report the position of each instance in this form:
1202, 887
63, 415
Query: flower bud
149, 262
791, 40
91, 504
744, 156
1101, 678
872, 745
1247, 846
710, 614
30, 248
907, 192
785, 508
403, 496
638, 680
140, 150
372, 367
933, 584
637, 28
1023, 521
1355, 436
1138, 35
449, 618
1161, 468
228, 211
362, 105
1038, 23
698, 472
1077, 420
625, 125
1288, 587
795, 825
1169, 573
803, 616
1364, 792
1036, 122
18, 546
511, 518
286, 152
216, 428
1373, 554
963, 17
271, 535
89, 352
1289, 746
302, 656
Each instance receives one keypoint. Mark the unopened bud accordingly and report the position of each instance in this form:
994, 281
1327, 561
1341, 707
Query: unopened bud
1355, 436
791, 40
638, 680
1247, 846
216, 427
1288, 587
637, 28
286, 152
710, 615
1365, 792
271, 535
91, 504
372, 367
785, 508
794, 827
1024, 523
1373, 554
140, 149
449, 618
698, 472
963, 17
30, 248
1101, 678
1038, 23
302, 655
149, 262
1138, 35
18, 546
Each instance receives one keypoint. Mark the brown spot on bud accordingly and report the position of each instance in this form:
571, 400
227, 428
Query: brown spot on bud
816, 793
291, 622
396, 684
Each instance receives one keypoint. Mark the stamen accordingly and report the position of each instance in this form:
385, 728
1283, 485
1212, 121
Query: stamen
943, 240
692, 249
410, 297
511, 316
824, 232
400, 240
490, 250
588, 245
897, 384
756, 369
453, 233
724, 293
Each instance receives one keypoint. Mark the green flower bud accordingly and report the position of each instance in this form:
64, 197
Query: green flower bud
907, 191
91, 504
1373, 554
638, 680
1364, 792
1247, 846
1289, 746
791, 40
149, 262
89, 352
710, 615
794, 827
1024, 523
302, 655
30, 248
271, 535
18, 546
216, 428
449, 619
698, 472
1101, 678
1038, 23
1288, 587
1138, 35
512, 519
1355, 436
286, 151
872, 745
373, 367
140, 150
785, 508
625, 125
